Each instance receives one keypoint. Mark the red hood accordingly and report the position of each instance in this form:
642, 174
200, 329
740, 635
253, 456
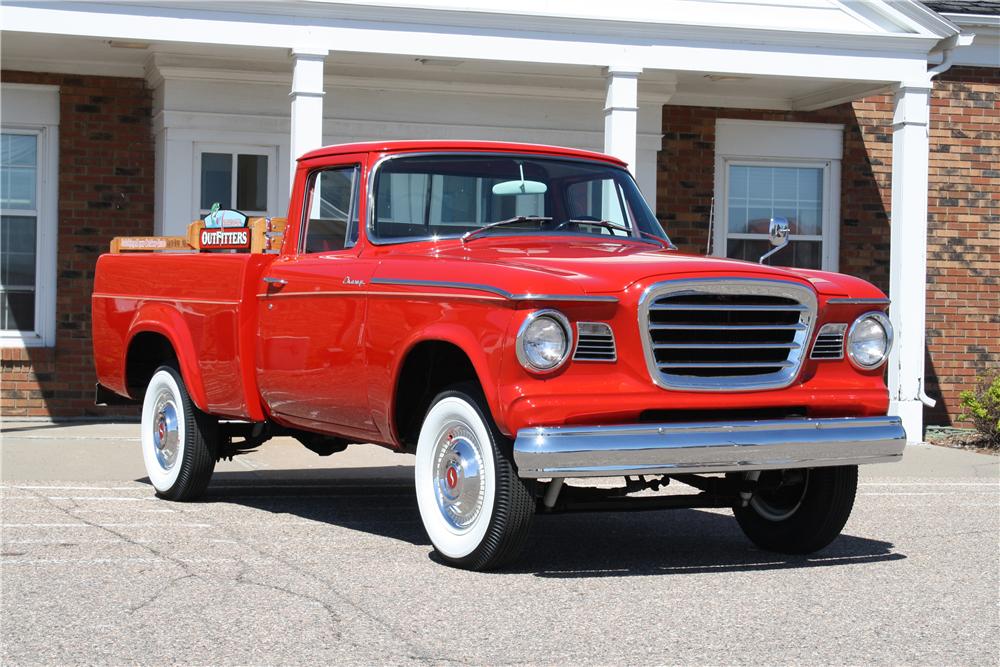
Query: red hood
596, 266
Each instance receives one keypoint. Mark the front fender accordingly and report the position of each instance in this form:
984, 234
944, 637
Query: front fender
482, 346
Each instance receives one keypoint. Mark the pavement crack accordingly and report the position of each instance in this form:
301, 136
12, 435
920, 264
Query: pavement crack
331, 612
416, 651
107, 529
160, 592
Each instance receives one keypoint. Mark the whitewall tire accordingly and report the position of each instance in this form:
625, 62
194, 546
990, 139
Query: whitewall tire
476, 511
177, 438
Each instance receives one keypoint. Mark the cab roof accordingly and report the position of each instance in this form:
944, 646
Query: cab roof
415, 146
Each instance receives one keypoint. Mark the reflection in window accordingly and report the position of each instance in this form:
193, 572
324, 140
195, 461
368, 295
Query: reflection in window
222, 174
18, 230
251, 182
445, 196
596, 200
332, 209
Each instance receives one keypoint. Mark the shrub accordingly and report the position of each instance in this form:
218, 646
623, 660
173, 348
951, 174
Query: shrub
981, 406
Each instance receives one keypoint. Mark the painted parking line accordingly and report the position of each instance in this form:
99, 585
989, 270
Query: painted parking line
108, 525
61, 437
112, 498
995, 484
50, 487
76, 542
109, 561
930, 493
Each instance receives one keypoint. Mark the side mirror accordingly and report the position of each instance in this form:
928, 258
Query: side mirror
777, 234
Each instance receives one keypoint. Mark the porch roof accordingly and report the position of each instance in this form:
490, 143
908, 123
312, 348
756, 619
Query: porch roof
775, 54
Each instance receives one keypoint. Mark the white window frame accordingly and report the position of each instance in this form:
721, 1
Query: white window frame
34, 109
780, 144
234, 150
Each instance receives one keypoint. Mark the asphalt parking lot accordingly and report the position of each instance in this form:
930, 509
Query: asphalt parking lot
294, 559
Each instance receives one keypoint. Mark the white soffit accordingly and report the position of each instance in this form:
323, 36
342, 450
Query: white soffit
627, 32
805, 15
985, 50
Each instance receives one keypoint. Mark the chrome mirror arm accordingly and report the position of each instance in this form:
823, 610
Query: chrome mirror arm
777, 233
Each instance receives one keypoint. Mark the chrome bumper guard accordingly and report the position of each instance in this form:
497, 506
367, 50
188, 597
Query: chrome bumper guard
666, 449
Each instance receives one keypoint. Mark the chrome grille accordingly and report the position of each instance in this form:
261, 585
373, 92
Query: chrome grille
594, 342
722, 335
829, 342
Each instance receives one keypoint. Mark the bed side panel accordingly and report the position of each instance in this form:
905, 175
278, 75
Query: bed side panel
197, 301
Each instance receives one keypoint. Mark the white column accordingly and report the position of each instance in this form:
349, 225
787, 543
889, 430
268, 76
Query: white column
908, 254
621, 109
307, 102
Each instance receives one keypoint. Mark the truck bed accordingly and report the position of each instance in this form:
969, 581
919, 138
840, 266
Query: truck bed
204, 304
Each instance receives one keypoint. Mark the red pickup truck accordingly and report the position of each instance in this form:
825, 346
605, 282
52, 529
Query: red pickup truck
516, 317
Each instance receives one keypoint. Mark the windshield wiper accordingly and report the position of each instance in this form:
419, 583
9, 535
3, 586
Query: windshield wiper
509, 221
607, 224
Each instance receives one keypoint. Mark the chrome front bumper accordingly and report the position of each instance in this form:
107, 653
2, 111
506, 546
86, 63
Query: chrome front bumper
665, 449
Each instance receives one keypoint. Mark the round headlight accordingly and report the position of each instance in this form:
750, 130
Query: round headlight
869, 341
543, 342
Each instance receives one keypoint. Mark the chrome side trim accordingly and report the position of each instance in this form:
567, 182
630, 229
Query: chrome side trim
789, 369
167, 299
855, 302
704, 447
494, 290
382, 293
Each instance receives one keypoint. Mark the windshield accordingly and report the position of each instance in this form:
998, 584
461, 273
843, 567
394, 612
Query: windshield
442, 196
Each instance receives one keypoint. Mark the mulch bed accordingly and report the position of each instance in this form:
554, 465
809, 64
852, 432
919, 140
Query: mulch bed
960, 438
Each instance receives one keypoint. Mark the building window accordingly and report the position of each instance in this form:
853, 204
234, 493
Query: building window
755, 193
235, 177
770, 170
28, 196
18, 229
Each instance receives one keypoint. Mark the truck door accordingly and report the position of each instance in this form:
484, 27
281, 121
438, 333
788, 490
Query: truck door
311, 358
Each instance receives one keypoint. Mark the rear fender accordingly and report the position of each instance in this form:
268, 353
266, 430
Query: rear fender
162, 318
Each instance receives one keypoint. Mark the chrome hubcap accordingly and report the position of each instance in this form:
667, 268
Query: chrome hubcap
458, 475
166, 434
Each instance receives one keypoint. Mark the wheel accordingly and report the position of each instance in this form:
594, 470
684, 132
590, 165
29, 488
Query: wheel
474, 507
177, 438
801, 512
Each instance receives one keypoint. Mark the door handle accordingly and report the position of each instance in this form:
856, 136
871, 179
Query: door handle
275, 281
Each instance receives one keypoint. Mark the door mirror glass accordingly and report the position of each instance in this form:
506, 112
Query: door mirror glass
777, 232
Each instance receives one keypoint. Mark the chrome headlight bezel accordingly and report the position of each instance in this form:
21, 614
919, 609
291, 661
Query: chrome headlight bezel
522, 355
883, 321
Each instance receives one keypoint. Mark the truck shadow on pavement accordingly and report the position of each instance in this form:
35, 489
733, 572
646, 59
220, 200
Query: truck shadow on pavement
565, 545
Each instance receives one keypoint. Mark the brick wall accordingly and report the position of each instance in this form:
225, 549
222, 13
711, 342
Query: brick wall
963, 251
105, 190
963, 316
